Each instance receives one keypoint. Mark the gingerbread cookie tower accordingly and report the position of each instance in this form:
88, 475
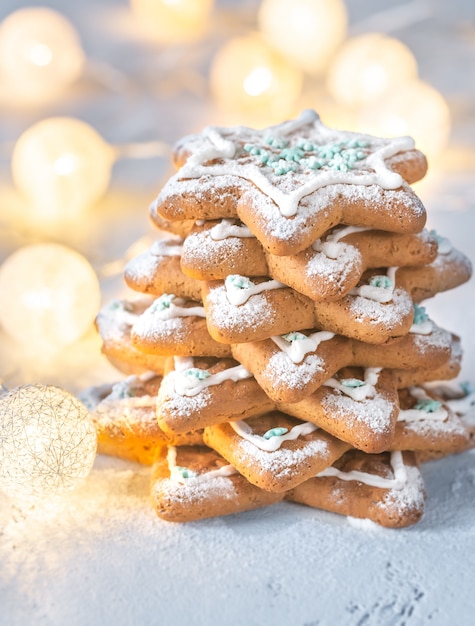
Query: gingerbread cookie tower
279, 348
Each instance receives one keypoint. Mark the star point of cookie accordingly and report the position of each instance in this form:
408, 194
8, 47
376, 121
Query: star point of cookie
290, 183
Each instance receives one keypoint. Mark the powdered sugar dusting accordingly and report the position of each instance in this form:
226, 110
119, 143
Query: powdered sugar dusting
335, 271
375, 412
196, 490
282, 462
200, 247
388, 314
411, 496
245, 316
293, 375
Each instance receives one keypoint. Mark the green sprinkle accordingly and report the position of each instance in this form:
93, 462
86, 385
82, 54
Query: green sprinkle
252, 149
352, 382
282, 167
467, 387
275, 432
306, 146
357, 143
276, 142
428, 405
436, 235
196, 373
184, 472
292, 154
420, 314
163, 303
294, 336
239, 282
381, 281
329, 150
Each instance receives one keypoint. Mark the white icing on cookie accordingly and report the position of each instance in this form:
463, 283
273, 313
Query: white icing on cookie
373, 480
190, 381
229, 228
330, 246
379, 288
356, 389
183, 474
240, 288
297, 345
169, 306
430, 409
274, 441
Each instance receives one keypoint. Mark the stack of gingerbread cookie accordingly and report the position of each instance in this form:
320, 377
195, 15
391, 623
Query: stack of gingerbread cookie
279, 349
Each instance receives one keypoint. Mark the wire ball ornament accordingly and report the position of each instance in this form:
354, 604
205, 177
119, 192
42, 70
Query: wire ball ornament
48, 441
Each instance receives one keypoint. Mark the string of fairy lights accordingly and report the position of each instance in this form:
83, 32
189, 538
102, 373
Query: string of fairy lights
294, 55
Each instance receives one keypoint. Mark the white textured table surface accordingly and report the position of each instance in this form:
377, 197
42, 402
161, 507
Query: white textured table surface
101, 556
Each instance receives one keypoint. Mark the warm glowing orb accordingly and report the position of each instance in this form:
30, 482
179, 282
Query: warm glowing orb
50, 296
47, 441
173, 21
248, 77
369, 66
40, 54
62, 166
414, 109
306, 32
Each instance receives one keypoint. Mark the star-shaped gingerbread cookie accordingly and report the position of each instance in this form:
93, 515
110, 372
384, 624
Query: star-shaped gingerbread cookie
292, 182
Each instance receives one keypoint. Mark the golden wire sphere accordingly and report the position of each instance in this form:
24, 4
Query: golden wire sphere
47, 441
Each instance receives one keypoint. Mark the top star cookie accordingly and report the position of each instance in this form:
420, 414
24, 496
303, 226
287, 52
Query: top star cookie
290, 183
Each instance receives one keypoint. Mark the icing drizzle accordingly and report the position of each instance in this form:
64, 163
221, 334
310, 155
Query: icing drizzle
169, 306
181, 474
356, 389
373, 480
190, 381
426, 408
272, 441
330, 246
229, 228
380, 288
240, 288
297, 345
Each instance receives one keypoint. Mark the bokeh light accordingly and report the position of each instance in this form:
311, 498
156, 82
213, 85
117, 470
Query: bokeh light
248, 77
306, 32
173, 21
415, 109
50, 296
40, 55
62, 166
369, 66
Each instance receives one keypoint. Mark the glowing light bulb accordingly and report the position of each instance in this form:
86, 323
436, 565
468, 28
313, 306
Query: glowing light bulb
50, 296
306, 32
47, 441
173, 21
414, 109
40, 55
62, 166
248, 77
367, 67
